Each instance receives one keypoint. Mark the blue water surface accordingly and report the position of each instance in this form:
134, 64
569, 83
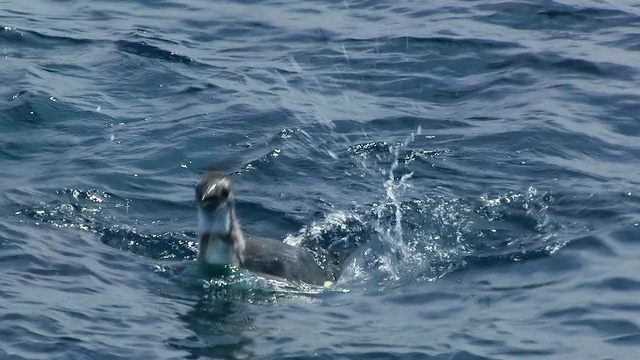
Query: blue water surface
475, 163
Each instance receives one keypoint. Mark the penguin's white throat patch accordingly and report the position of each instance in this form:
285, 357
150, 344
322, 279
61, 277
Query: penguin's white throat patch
213, 226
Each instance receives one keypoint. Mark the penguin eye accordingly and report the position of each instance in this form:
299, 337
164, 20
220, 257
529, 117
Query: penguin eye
224, 193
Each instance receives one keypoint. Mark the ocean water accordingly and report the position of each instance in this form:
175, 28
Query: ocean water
476, 163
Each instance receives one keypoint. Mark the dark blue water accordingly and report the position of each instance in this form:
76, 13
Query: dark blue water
478, 160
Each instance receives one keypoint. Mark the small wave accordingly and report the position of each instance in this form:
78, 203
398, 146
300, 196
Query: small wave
545, 62
38, 39
144, 49
95, 210
556, 16
395, 42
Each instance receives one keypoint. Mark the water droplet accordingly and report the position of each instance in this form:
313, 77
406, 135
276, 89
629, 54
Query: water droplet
94, 198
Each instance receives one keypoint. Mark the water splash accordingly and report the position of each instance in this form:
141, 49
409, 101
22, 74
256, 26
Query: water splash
408, 236
392, 236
